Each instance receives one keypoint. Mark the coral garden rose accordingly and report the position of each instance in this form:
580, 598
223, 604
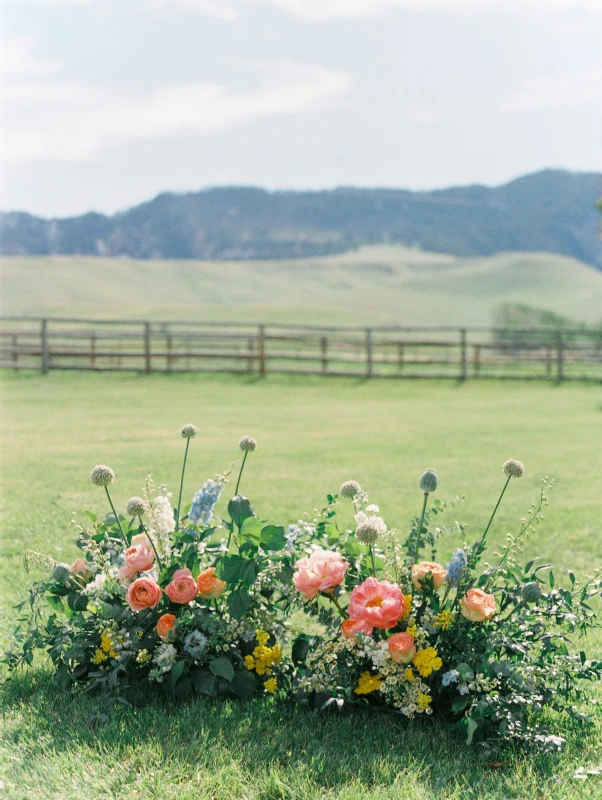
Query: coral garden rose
182, 588
141, 538
138, 558
165, 626
208, 586
401, 648
420, 571
477, 605
124, 573
143, 593
81, 567
379, 604
323, 570
352, 626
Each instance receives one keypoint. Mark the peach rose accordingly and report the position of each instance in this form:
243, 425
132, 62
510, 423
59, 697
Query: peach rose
477, 605
420, 571
182, 588
377, 603
208, 586
352, 626
125, 574
165, 626
138, 558
401, 648
143, 593
81, 567
324, 569
141, 538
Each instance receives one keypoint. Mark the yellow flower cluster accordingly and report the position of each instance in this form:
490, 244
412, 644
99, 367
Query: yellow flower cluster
368, 683
427, 661
412, 628
106, 649
270, 685
444, 620
423, 701
264, 657
409, 675
143, 657
407, 603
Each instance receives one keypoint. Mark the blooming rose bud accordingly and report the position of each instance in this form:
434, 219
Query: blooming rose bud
477, 605
401, 648
143, 593
81, 567
165, 627
142, 539
352, 626
429, 481
208, 586
420, 571
324, 569
138, 558
182, 588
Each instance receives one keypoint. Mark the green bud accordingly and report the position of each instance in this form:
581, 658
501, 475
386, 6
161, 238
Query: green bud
531, 592
61, 573
429, 481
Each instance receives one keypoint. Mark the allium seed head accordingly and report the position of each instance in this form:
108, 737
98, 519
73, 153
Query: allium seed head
61, 573
368, 531
247, 444
189, 431
514, 468
102, 475
136, 507
349, 489
429, 481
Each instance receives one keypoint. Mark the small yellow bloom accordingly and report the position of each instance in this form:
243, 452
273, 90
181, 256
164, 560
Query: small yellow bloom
444, 620
249, 662
99, 657
143, 657
427, 661
412, 629
271, 685
407, 602
368, 683
424, 701
409, 675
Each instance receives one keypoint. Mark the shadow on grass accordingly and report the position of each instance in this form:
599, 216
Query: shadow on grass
325, 753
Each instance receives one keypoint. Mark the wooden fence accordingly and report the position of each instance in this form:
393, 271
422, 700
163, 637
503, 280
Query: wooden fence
383, 352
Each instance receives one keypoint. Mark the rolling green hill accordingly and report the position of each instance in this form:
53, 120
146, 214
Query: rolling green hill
377, 285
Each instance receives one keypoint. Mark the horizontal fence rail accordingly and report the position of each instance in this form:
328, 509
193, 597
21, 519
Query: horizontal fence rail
377, 352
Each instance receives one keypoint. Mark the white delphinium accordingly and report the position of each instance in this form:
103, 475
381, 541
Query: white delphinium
164, 658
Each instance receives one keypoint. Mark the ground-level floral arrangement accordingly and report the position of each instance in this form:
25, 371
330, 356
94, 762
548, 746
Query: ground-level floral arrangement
177, 600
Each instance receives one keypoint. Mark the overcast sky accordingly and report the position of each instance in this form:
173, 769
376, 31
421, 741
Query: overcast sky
108, 102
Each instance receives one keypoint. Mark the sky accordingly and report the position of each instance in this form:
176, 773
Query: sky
106, 103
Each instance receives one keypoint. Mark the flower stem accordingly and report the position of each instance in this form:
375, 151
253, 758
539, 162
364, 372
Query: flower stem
125, 541
181, 486
152, 544
330, 595
495, 509
373, 561
242, 466
426, 497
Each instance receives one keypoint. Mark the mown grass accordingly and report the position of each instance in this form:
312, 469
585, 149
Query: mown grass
312, 435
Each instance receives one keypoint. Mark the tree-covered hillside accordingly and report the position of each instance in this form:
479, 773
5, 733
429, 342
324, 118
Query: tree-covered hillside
550, 211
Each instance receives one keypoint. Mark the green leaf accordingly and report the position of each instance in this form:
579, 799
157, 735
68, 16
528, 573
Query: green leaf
56, 603
273, 537
90, 515
472, 729
240, 509
460, 703
250, 531
230, 568
77, 601
205, 683
249, 573
176, 671
222, 667
551, 578
239, 603
300, 649
572, 577
244, 684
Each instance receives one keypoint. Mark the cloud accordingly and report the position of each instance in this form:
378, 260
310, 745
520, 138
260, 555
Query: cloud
72, 121
18, 59
561, 91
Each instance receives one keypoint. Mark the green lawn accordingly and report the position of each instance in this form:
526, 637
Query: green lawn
312, 434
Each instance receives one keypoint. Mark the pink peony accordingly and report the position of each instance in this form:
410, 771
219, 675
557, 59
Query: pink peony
138, 558
420, 571
401, 648
378, 603
143, 593
182, 588
477, 605
352, 626
324, 569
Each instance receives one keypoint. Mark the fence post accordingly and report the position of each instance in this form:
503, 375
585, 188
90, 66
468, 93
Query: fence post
324, 352
368, 353
400, 356
168, 345
147, 347
548, 361
250, 354
559, 356
261, 349
93, 351
45, 353
15, 353
463, 354
477, 359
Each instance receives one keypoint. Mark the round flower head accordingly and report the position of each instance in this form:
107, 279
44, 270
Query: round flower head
514, 468
189, 431
136, 507
369, 530
349, 489
429, 481
102, 475
61, 573
531, 592
380, 604
247, 444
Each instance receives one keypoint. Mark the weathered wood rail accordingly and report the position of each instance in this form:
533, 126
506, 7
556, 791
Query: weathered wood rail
61, 343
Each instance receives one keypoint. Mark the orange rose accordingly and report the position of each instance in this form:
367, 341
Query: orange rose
420, 571
352, 626
143, 593
165, 626
208, 586
477, 605
81, 567
401, 648
182, 588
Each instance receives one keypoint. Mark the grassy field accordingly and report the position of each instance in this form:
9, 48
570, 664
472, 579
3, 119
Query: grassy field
312, 435
373, 285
